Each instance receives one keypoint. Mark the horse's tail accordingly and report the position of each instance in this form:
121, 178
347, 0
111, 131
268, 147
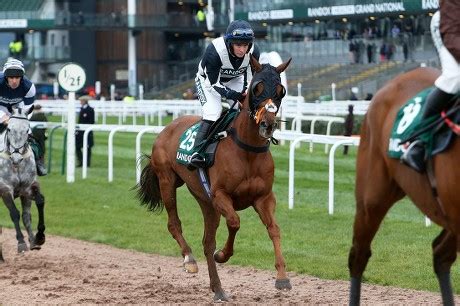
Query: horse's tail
148, 189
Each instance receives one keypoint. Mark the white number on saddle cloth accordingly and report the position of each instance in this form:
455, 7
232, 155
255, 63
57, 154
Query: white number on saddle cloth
410, 113
189, 141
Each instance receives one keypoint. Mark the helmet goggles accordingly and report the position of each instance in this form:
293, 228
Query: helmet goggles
241, 35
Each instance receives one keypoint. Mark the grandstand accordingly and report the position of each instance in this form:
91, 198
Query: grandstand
170, 41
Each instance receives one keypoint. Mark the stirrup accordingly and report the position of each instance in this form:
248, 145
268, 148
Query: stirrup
414, 156
196, 161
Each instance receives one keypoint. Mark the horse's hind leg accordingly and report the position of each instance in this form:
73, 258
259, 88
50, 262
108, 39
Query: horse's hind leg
444, 255
375, 194
169, 197
27, 221
15, 217
265, 207
40, 203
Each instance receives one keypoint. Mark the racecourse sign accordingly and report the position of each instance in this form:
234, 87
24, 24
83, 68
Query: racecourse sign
312, 9
356, 9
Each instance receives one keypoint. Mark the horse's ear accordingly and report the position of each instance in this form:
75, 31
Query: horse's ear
256, 66
30, 110
283, 66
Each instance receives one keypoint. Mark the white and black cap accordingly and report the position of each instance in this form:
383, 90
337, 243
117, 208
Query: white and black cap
13, 68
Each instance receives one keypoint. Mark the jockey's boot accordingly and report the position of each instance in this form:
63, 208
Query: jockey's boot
38, 155
197, 159
41, 169
414, 156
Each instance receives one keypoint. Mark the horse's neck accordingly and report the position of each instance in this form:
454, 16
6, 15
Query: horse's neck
247, 129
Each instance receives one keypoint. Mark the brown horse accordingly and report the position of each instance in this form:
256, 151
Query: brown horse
242, 176
382, 181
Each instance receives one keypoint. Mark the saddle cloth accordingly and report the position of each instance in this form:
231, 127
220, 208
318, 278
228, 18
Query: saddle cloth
408, 121
207, 147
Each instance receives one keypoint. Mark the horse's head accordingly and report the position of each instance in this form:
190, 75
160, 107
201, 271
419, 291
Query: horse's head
17, 134
265, 94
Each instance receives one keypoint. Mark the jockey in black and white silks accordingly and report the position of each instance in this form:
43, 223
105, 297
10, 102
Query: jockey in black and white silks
223, 72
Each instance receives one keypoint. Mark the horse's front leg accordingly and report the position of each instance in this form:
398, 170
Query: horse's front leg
265, 207
26, 204
15, 217
40, 203
211, 223
224, 204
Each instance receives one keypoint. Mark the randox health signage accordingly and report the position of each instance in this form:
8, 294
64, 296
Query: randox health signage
311, 9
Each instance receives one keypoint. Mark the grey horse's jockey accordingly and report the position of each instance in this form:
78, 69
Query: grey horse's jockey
18, 91
223, 72
445, 30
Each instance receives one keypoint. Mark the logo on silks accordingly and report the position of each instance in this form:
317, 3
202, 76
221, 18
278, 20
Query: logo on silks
186, 143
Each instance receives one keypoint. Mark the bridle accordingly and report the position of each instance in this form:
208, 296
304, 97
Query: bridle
10, 149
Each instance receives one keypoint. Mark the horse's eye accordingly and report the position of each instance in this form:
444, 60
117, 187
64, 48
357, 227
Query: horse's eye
280, 91
257, 88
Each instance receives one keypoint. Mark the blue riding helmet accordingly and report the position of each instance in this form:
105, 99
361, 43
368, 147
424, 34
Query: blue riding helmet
239, 31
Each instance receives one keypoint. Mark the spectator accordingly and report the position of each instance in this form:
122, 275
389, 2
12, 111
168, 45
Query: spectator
349, 122
405, 51
353, 93
370, 52
86, 117
39, 133
200, 17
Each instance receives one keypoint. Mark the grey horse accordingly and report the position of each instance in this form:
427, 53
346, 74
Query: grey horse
18, 178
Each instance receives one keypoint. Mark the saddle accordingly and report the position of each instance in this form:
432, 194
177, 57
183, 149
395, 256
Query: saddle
209, 146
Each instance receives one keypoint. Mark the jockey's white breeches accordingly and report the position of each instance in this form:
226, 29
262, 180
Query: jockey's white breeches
449, 80
211, 100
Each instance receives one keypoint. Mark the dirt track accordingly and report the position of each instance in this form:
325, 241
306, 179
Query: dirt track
71, 271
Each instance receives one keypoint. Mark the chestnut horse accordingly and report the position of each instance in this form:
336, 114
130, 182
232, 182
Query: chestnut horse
381, 181
242, 176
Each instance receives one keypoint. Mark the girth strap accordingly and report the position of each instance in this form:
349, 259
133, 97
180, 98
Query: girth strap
245, 146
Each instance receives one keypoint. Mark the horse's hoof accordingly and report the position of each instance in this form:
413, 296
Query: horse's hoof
1, 259
22, 247
219, 256
40, 239
220, 297
190, 265
34, 246
283, 284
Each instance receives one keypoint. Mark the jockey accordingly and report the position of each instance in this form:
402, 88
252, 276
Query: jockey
223, 73
17, 90
445, 29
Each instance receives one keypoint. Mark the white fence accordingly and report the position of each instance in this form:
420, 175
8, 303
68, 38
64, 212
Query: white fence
293, 106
